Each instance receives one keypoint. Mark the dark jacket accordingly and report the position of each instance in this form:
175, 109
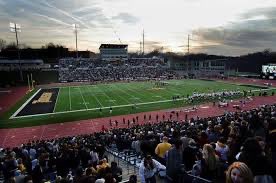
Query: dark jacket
174, 162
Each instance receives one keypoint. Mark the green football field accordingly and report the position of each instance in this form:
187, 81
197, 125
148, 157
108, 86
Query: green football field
134, 93
93, 101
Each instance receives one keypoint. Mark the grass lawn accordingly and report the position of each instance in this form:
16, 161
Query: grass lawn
84, 102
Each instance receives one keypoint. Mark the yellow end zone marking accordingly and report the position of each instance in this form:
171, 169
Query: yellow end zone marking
44, 98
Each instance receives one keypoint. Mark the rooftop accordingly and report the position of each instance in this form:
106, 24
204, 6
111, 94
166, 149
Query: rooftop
113, 46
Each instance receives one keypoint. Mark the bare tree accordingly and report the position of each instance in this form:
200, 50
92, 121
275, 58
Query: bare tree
11, 45
2, 44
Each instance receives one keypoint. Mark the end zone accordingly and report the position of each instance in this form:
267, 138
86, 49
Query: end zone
20, 108
42, 101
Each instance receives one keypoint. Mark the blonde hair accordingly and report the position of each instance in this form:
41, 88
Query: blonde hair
246, 173
210, 156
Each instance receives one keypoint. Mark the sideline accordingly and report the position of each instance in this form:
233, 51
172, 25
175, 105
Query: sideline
117, 106
22, 107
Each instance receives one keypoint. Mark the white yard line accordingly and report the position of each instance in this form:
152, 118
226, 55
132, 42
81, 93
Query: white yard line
129, 94
93, 109
106, 95
150, 92
94, 96
122, 98
56, 100
117, 106
18, 110
137, 93
70, 99
83, 98
143, 96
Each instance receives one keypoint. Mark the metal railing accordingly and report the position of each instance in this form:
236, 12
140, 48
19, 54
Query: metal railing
132, 159
128, 158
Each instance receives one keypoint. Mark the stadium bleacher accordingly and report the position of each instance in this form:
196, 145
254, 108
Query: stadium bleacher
88, 70
244, 136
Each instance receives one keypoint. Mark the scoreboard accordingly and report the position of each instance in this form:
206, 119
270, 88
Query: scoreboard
268, 71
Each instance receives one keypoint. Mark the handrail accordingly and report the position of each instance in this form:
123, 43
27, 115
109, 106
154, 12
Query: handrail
193, 176
200, 178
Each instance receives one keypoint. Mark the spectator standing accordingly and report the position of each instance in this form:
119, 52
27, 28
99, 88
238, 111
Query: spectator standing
116, 171
174, 161
222, 149
161, 149
272, 143
190, 154
209, 163
253, 156
148, 168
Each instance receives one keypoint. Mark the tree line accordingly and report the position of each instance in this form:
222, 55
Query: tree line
51, 52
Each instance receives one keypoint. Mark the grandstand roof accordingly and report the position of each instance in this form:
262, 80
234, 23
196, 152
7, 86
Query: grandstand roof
113, 46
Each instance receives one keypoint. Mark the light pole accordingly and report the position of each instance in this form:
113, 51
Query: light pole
76, 27
143, 42
17, 28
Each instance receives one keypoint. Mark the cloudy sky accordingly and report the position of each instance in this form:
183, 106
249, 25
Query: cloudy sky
227, 27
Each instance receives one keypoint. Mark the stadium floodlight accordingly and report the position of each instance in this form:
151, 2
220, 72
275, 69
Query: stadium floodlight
15, 28
76, 27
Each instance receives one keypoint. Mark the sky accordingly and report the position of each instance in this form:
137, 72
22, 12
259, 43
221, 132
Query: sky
222, 27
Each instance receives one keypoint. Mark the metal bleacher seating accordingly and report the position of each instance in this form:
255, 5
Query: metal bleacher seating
133, 160
129, 156
127, 159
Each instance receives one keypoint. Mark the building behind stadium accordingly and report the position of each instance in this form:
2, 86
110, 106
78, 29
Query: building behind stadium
212, 67
113, 52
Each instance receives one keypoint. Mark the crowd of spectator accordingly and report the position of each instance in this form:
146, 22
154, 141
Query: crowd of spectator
236, 147
214, 95
72, 159
93, 70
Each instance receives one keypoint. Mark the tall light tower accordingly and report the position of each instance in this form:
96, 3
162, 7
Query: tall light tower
76, 27
143, 42
17, 28
140, 48
188, 53
188, 44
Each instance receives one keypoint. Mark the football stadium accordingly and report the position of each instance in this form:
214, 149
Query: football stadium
129, 109
101, 100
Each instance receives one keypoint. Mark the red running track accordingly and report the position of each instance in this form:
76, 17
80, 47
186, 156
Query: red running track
17, 136
9, 97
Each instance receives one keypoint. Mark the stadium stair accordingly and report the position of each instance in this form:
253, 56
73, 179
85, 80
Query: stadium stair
128, 160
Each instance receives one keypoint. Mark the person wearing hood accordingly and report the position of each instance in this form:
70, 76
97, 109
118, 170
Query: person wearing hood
189, 154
